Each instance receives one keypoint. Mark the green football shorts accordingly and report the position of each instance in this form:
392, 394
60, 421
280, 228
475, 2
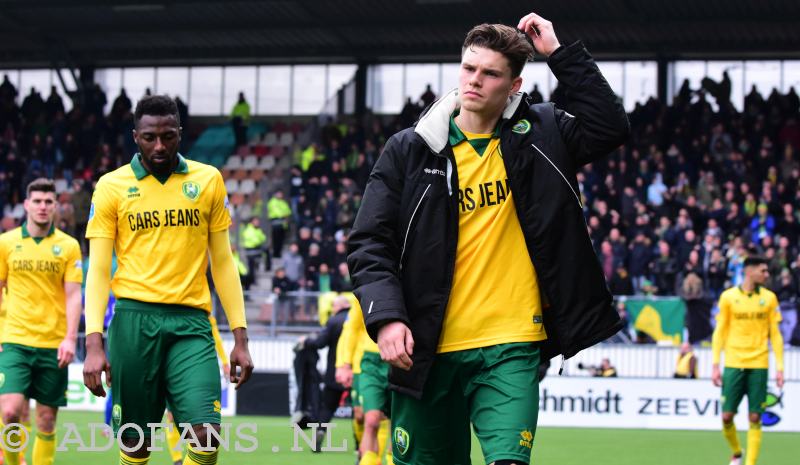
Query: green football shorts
374, 383
33, 372
496, 388
736, 382
162, 354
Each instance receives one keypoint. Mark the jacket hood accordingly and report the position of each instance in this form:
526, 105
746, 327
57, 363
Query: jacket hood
434, 125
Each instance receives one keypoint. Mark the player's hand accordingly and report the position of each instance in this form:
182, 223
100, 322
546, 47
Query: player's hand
344, 376
541, 33
93, 367
66, 352
396, 344
241, 363
779, 379
716, 377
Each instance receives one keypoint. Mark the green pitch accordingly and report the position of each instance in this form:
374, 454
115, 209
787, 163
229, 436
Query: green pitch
556, 446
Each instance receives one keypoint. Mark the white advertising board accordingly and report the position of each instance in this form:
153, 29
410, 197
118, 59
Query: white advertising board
655, 404
79, 397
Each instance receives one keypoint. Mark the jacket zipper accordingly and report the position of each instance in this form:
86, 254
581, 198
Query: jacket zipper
577, 197
410, 222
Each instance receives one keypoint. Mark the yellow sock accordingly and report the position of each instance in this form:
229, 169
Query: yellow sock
44, 448
125, 459
753, 443
358, 431
27, 435
729, 431
198, 457
370, 458
383, 436
11, 458
173, 438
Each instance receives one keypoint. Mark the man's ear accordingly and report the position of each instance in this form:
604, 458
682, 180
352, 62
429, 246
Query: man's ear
135, 136
515, 85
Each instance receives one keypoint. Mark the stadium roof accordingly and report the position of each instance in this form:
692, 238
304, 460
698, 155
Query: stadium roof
122, 32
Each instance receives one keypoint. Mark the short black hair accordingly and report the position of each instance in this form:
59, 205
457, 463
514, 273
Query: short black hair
755, 260
155, 105
41, 185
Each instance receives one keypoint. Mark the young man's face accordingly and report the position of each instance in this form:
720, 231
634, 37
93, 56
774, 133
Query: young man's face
158, 138
758, 273
41, 208
484, 81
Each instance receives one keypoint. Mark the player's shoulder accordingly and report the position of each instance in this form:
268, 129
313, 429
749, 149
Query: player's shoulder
120, 175
200, 169
768, 294
63, 238
729, 294
11, 235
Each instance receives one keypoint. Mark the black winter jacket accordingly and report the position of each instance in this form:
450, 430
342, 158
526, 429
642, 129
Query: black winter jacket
403, 244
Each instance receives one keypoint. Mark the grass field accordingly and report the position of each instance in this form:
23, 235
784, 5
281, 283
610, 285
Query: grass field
556, 446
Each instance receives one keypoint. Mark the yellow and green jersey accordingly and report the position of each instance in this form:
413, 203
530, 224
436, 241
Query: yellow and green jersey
35, 270
745, 323
160, 230
354, 339
495, 293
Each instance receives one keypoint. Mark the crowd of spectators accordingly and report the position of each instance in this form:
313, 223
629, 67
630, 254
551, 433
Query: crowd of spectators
672, 212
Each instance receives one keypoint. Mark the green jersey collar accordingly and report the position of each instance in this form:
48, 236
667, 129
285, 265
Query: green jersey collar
26, 234
141, 172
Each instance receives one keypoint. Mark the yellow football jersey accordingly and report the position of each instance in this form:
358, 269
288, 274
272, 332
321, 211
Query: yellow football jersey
495, 293
160, 231
35, 271
745, 323
354, 339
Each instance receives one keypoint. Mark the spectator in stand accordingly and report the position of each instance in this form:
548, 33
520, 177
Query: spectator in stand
278, 211
282, 303
639, 259
664, 270
253, 239
762, 225
240, 120
427, 97
294, 265
340, 282
686, 366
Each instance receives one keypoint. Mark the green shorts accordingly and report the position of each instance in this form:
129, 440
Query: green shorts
355, 394
495, 388
374, 383
162, 354
33, 372
736, 382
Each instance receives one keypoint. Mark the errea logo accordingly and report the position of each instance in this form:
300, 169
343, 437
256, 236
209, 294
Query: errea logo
433, 171
133, 192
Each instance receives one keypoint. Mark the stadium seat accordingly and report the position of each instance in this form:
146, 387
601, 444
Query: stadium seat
240, 174
270, 139
248, 186
249, 162
232, 186
286, 139
257, 175
278, 150
261, 150
61, 185
233, 163
243, 151
267, 163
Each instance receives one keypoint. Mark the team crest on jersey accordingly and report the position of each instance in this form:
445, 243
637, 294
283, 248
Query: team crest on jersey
762, 302
401, 440
191, 190
522, 127
56, 250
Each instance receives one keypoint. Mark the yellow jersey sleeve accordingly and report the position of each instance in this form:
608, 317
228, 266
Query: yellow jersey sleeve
220, 218
721, 330
775, 336
3, 259
102, 213
74, 271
